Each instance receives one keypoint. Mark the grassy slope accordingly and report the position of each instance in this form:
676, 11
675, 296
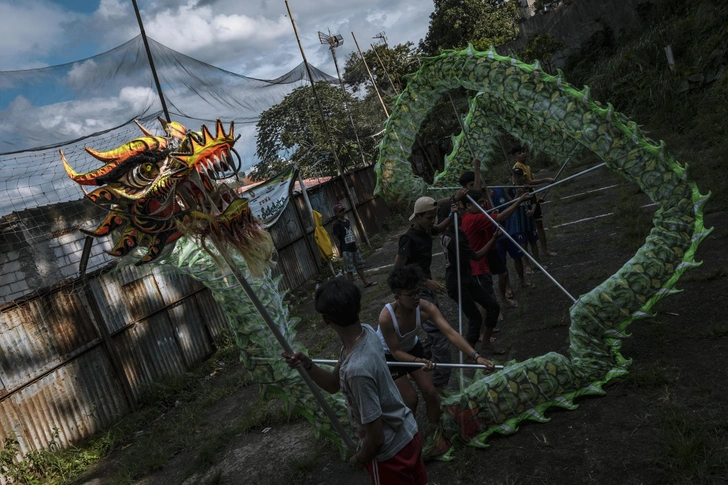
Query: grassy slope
687, 106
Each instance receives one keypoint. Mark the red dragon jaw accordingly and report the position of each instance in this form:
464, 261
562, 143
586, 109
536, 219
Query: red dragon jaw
155, 194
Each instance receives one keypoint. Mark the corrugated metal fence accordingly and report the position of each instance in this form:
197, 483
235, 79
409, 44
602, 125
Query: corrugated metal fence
77, 356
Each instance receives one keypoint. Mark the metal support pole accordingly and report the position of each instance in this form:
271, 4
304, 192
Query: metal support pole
151, 62
561, 169
340, 168
531, 258
554, 184
460, 292
416, 364
237, 274
470, 147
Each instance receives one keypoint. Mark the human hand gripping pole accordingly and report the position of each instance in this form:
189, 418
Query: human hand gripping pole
238, 275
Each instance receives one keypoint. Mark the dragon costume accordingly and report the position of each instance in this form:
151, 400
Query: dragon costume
164, 201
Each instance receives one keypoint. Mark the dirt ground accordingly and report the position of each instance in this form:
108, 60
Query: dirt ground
664, 423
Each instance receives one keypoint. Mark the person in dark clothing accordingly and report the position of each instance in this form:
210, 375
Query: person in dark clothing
346, 241
415, 247
472, 293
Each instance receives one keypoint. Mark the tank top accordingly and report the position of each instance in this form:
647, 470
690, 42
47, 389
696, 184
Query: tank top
406, 341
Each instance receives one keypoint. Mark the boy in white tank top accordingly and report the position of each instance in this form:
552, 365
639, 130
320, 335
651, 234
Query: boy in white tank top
398, 324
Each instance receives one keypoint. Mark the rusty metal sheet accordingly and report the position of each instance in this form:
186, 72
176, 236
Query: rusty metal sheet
212, 314
294, 262
287, 229
192, 337
121, 305
10, 423
79, 398
40, 334
174, 286
148, 351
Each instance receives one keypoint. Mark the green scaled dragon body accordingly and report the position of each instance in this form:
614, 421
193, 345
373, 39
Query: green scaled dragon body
547, 113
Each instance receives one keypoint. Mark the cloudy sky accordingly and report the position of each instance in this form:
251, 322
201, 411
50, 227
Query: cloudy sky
250, 37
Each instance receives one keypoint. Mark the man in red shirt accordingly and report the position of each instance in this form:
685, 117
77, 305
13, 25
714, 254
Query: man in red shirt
480, 231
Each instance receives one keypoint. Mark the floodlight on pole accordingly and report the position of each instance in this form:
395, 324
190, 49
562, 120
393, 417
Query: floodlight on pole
335, 41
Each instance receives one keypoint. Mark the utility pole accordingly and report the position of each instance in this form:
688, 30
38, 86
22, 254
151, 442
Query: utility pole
359, 221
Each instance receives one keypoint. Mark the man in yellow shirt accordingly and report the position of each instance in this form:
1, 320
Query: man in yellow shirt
520, 153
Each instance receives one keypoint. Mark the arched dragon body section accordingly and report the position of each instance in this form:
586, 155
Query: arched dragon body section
546, 112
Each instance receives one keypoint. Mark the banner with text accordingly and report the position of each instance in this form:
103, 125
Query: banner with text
268, 200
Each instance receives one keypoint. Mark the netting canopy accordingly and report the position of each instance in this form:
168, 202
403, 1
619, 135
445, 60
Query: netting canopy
93, 102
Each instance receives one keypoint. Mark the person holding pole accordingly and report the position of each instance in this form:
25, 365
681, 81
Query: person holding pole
398, 325
471, 292
481, 231
415, 247
520, 155
390, 444
353, 260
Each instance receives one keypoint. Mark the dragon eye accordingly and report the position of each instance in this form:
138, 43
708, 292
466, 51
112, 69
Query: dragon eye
149, 171
142, 175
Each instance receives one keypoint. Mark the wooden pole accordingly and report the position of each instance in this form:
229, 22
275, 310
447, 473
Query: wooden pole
340, 168
237, 274
384, 69
151, 62
346, 105
376, 89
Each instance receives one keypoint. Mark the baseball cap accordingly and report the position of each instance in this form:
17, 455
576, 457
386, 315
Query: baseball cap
423, 204
338, 207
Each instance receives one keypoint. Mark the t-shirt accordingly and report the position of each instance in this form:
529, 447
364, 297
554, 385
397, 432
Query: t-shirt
479, 229
523, 222
510, 225
526, 170
371, 393
447, 240
417, 247
342, 230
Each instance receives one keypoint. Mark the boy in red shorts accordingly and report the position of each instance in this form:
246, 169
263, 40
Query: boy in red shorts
390, 445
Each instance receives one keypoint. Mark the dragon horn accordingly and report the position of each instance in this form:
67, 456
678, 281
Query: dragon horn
70, 171
144, 130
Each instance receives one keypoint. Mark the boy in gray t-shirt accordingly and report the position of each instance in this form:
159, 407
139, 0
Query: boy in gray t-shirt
390, 445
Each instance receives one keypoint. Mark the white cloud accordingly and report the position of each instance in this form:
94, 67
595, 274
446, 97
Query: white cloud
111, 9
31, 29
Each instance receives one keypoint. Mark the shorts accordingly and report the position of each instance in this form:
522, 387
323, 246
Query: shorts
495, 263
404, 468
531, 236
486, 282
352, 261
506, 247
398, 371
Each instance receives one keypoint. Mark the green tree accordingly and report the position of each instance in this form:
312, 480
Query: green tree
542, 48
483, 23
294, 128
396, 63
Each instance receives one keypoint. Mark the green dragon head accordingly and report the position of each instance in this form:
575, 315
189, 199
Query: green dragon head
159, 188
